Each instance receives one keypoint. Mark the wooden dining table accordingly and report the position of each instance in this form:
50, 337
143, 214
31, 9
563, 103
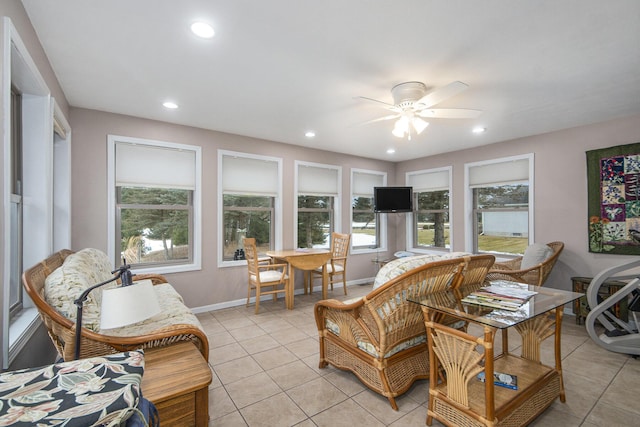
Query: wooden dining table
303, 259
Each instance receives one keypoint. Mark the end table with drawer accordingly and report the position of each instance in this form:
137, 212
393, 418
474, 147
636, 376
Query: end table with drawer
176, 379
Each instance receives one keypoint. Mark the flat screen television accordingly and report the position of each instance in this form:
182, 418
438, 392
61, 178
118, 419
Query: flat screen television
393, 199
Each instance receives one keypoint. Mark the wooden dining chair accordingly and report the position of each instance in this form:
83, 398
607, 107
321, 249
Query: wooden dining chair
265, 278
337, 265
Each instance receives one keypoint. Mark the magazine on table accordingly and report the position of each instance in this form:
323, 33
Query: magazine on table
498, 296
503, 380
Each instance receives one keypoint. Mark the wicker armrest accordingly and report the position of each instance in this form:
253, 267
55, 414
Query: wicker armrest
95, 344
512, 264
331, 308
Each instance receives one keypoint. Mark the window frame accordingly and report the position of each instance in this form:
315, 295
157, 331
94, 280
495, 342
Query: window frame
113, 242
411, 223
277, 220
471, 225
334, 210
381, 220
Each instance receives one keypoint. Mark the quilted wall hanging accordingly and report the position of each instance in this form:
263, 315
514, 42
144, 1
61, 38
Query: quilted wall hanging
613, 183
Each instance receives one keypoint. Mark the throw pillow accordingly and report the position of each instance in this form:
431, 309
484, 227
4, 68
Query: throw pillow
534, 255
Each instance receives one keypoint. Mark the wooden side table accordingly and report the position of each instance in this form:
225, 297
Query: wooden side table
176, 379
608, 288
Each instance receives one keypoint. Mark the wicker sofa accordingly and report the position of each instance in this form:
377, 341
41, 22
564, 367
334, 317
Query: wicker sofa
381, 337
57, 281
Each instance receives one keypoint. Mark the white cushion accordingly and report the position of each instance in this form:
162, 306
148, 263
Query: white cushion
270, 276
534, 255
339, 268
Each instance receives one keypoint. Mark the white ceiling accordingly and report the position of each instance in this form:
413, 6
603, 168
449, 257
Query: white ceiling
278, 68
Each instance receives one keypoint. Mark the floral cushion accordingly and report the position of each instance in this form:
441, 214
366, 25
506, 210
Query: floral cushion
80, 271
95, 391
88, 267
172, 312
370, 348
400, 266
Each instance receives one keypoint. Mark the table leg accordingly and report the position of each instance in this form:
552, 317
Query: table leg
325, 281
290, 288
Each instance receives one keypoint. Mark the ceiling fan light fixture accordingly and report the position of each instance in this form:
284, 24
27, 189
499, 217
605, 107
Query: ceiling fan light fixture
419, 125
401, 127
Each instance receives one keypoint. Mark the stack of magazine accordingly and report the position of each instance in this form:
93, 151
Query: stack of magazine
502, 297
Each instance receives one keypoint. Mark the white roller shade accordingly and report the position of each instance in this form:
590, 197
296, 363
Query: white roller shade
364, 182
429, 181
243, 175
139, 165
318, 181
501, 173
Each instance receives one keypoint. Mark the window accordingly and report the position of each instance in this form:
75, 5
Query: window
156, 213
15, 213
250, 188
247, 216
430, 227
366, 232
501, 197
318, 203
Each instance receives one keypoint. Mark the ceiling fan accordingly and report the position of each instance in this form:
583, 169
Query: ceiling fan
412, 102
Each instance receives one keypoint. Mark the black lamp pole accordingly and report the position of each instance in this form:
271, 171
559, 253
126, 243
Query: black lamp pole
122, 272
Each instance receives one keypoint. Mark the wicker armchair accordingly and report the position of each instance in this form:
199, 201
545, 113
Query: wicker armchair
381, 337
536, 275
62, 330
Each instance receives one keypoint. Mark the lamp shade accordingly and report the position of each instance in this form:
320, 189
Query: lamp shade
126, 305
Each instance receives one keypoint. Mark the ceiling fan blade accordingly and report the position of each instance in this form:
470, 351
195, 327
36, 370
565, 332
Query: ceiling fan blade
440, 94
448, 113
380, 119
386, 105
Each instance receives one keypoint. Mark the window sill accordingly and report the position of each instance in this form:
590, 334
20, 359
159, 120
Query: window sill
167, 269
21, 329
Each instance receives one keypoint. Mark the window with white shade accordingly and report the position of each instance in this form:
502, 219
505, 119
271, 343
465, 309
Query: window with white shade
500, 205
367, 227
250, 188
318, 205
430, 227
156, 203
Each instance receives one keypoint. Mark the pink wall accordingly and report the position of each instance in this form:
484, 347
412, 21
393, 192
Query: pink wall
560, 189
211, 285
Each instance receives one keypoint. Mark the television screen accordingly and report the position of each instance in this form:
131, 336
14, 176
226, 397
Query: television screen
393, 199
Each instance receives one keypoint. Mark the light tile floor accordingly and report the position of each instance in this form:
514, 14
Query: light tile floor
265, 373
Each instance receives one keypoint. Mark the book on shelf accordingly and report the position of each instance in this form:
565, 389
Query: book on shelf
502, 380
501, 297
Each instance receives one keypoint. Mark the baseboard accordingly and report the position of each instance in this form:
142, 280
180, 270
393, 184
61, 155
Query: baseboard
242, 301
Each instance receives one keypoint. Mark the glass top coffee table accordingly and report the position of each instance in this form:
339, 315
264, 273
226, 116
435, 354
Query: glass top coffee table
453, 303
536, 317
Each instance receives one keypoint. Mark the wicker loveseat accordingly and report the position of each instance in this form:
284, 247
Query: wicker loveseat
381, 337
57, 281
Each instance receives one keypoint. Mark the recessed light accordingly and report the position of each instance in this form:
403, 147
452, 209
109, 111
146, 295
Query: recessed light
170, 105
310, 134
202, 29
391, 150
479, 129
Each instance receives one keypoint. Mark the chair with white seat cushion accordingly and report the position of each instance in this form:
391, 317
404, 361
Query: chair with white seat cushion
272, 277
337, 265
